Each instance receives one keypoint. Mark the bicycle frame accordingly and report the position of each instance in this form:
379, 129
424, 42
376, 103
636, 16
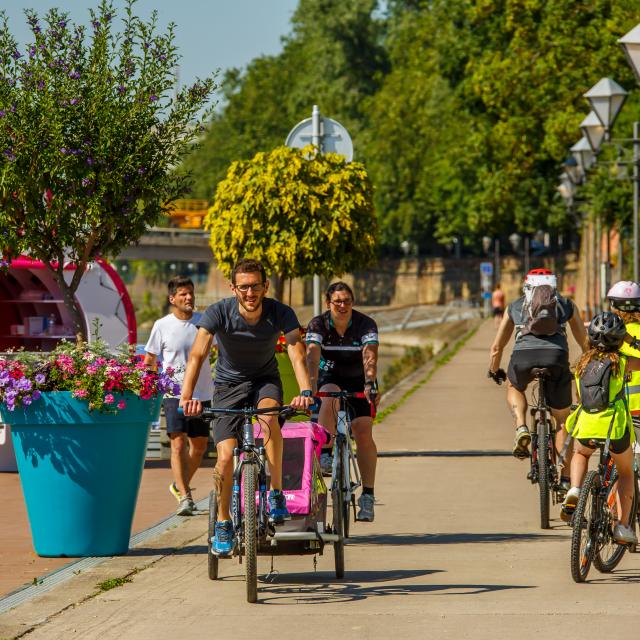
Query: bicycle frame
343, 445
540, 415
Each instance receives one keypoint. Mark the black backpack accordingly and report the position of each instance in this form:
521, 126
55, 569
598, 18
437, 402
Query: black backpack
594, 386
540, 314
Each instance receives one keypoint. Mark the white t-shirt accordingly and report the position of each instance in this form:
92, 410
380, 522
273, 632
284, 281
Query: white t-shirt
171, 340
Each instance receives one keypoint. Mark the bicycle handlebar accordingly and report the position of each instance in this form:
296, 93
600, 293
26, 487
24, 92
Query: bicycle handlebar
359, 395
210, 412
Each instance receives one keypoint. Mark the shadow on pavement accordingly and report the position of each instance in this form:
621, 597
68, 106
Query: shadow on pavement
450, 538
619, 576
323, 587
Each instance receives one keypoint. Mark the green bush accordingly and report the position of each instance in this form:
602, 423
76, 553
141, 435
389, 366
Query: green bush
412, 359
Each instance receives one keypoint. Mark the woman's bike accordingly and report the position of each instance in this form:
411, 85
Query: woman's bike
345, 477
543, 455
595, 517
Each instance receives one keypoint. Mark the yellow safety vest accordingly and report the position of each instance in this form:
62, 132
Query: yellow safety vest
581, 424
633, 385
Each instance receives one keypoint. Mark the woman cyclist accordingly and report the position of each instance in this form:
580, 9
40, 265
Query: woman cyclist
342, 354
607, 333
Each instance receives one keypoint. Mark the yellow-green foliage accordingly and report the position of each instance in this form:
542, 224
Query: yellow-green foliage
296, 211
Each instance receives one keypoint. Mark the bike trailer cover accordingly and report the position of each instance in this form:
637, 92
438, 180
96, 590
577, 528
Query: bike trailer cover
302, 482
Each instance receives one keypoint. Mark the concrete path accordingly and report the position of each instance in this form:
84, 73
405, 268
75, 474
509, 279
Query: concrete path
455, 551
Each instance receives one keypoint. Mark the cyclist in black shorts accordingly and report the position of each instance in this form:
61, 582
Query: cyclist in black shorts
542, 351
247, 327
342, 354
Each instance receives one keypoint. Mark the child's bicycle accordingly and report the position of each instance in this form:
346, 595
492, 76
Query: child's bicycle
543, 455
253, 533
595, 517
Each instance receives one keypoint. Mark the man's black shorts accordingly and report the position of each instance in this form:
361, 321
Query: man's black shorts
238, 396
558, 385
357, 407
177, 423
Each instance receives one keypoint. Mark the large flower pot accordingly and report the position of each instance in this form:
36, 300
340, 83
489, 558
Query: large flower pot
80, 471
7, 455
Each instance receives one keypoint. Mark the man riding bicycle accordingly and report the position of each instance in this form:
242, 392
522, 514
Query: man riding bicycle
535, 349
342, 354
247, 327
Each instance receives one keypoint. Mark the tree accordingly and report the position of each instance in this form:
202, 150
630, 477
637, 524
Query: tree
89, 137
298, 212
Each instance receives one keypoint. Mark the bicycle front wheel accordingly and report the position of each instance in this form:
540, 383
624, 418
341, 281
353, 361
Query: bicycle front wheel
610, 552
250, 532
338, 505
583, 538
212, 559
543, 473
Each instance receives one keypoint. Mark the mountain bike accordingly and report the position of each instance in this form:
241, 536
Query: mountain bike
542, 454
595, 517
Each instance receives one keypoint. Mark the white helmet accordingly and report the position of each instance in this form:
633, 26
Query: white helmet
625, 296
536, 277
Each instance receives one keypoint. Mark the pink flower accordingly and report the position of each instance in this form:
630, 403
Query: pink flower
122, 404
80, 393
109, 399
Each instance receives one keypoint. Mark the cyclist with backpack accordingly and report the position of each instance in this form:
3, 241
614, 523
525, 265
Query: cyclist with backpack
539, 318
603, 413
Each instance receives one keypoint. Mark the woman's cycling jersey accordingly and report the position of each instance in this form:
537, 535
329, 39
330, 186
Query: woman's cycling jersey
342, 355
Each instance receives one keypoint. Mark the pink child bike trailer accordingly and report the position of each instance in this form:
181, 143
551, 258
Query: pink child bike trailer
303, 442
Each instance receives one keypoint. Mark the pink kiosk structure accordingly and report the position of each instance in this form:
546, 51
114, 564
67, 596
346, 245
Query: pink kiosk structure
33, 315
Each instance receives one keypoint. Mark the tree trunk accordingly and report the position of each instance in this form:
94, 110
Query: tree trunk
70, 302
277, 286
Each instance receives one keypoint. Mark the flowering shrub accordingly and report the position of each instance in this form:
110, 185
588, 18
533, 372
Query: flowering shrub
89, 371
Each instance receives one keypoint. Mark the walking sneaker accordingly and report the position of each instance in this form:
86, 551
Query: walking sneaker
365, 504
185, 503
222, 543
278, 511
569, 504
521, 442
624, 535
326, 464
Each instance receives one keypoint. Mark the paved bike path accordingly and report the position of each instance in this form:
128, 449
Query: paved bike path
455, 550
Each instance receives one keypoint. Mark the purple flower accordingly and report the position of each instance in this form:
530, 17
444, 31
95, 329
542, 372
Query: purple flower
86, 182
36, 395
27, 400
121, 88
89, 161
40, 378
153, 98
62, 24
63, 150
37, 29
32, 51
141, 170
74, 75
96, 24
2, 113
16, 55
9, 155
41, 84
74, 101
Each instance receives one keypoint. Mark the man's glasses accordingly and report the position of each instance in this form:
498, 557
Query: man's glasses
342, 303
244, 288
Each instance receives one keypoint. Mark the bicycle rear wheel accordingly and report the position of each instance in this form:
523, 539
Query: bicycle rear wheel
610, 552
212, 559
338, 505
543, 472
250, 532
583, 538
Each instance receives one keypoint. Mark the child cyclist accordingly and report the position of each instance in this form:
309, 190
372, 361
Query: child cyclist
607, 333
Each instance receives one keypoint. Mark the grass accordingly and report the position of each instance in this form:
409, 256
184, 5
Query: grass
112, 583
412, 359
440, 361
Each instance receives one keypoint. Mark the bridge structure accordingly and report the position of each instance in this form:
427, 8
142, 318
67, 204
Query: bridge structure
161, 243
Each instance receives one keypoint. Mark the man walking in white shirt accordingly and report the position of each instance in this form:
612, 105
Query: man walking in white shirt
170, 341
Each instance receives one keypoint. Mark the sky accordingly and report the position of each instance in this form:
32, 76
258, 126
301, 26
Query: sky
210, 34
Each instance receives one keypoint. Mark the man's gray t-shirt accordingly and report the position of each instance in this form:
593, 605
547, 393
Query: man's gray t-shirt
245, 351
519, 316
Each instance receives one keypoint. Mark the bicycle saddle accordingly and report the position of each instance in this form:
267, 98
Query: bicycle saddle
540, 371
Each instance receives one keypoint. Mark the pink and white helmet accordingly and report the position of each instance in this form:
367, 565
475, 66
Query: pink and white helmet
625, 296
536, 277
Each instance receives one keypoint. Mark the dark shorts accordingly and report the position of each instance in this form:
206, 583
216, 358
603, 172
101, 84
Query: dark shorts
616, 446
498, 311
238, 396
357, 407
557, 385
177, 423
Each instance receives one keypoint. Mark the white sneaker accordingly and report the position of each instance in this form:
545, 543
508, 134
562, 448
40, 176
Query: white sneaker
624, 535
569, 504
365, 512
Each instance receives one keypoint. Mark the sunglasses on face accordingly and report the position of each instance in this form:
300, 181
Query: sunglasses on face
342, 303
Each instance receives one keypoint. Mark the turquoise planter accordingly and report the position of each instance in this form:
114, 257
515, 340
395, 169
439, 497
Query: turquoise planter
80, 471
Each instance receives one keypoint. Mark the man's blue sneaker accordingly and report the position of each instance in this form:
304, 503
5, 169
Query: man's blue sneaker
278, 511
222, 544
